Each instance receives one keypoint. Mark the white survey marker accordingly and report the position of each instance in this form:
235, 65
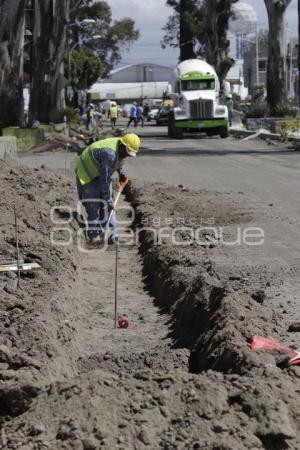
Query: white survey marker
14, 267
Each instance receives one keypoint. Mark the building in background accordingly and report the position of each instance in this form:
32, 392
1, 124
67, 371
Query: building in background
254, 59
235, 77
134, 82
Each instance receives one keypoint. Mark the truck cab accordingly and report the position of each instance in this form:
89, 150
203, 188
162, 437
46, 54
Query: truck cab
196, 99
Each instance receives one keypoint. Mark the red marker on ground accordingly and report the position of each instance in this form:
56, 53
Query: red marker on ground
123, 322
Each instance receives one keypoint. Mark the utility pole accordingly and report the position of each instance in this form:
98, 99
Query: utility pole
257, 53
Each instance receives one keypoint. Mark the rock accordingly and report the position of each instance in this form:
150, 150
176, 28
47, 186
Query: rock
37, 429
122, 424
295, 370
17, 398
294, 327
90, 443
259, 296
271, 414
144, 437
31, 197
5, 354
164, 411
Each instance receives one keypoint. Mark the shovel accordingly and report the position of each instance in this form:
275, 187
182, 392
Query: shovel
120, 188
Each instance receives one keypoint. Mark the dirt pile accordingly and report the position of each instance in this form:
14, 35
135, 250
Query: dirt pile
55, 142
33, 341
67, 381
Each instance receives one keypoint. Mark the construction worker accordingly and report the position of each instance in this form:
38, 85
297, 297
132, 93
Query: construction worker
133, 115
94, 169
113, 114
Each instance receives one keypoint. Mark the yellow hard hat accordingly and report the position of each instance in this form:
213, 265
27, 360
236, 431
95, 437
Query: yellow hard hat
132, 143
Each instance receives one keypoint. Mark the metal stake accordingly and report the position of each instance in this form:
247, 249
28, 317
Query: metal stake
17, 245
116, 284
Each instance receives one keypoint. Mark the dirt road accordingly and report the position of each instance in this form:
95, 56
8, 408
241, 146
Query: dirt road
182, 376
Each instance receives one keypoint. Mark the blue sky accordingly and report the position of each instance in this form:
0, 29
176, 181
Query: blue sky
151, 15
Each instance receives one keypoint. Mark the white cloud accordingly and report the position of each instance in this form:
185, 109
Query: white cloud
151, 15
291, 15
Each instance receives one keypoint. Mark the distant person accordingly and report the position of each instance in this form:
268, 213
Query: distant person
140, 116
229, 103
133, 115
146, 111
89, 116
113, 114
97, 120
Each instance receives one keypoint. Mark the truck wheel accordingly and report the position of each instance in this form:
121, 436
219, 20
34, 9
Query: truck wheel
177, 133
224, 133
211, 132
170, 126
173, 132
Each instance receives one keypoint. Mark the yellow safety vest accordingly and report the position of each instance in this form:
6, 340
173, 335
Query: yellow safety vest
87, 167
113, 112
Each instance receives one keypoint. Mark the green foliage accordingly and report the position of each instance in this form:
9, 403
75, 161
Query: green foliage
70, 114
284, 110
115, 35
288, 126
257, 111
86, 68
202, 26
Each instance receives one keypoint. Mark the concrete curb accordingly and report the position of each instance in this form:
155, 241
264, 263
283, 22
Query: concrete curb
246, 133
8, 148
239, 133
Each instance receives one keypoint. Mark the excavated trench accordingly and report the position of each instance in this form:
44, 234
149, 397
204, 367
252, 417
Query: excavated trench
207, 316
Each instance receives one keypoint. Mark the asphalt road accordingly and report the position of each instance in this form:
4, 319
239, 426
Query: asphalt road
261, 179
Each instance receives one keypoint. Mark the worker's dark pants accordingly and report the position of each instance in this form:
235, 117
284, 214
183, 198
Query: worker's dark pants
113, 121
96, 209
141, 119
134, 120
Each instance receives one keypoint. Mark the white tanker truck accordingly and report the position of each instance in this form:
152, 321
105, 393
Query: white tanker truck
196, 101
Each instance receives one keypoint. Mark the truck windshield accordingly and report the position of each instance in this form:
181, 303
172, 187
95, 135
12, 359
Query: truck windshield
197, 85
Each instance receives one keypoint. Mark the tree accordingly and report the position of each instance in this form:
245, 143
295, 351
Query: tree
276, 70
85, 70
50, 22
249, 56
199, 27
116, 35
49, 47
12, 28
213, 35
298, 53
181, 27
